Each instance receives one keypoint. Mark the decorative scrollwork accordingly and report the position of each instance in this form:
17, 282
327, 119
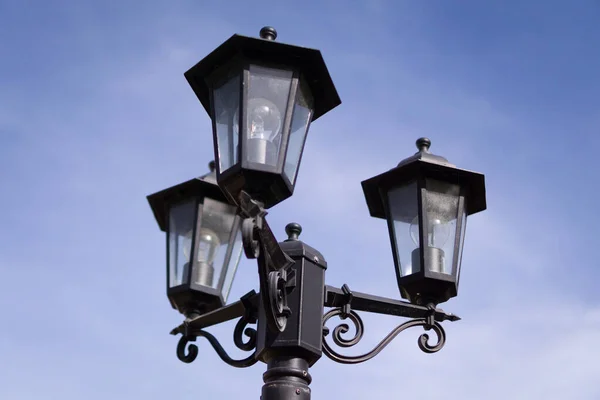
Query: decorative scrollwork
238, 333
260, 243
241, 330
249, 238
338, 331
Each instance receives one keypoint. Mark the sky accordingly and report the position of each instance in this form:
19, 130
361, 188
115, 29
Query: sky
95, 114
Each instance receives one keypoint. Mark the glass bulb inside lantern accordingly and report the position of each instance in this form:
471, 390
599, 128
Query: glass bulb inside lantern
263, 121
208, 245
437, 236
437, 232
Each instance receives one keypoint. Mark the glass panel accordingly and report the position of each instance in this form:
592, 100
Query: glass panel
226, 102
404, 209
461, 239
303, 110
234, 261
212, 239
181, 224
441, 202
268, 95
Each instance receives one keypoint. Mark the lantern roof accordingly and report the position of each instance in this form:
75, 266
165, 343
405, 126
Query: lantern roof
427, 165
308, 61
197, 188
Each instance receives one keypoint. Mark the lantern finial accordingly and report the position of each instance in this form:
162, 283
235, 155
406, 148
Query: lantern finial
268, 33
423, 144
293, 231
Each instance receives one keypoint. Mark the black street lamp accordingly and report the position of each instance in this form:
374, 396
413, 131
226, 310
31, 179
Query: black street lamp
262, 96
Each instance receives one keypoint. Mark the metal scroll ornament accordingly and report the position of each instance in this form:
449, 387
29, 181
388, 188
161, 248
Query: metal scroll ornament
343, 328
187, 352
260, 243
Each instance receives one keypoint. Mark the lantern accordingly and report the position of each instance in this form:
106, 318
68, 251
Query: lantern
261, 96
426, 201
204, 243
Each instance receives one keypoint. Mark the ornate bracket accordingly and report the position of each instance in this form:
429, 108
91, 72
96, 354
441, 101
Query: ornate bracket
428, 319
193, 328
273, 264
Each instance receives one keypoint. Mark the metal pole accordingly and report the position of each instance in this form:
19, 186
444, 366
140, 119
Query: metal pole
286, 378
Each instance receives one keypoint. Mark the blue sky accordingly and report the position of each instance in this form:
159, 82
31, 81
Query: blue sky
95, 114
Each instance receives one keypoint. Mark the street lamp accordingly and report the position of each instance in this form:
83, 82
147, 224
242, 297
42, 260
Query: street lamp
255, 90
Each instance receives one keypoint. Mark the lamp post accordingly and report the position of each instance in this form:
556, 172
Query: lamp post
262, 96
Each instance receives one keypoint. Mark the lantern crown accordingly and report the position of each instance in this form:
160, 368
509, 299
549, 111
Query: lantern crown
424, 164
203, 186
308, 61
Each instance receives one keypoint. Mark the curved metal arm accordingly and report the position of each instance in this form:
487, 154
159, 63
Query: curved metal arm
240, 330
344, 300
343, 328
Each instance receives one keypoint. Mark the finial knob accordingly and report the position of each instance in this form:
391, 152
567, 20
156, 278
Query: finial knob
212, 166
423, 144
293, 231
268, 33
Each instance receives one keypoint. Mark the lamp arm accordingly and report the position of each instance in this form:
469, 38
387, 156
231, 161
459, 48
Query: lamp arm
335, 297
247, 303
345, 302
193, 328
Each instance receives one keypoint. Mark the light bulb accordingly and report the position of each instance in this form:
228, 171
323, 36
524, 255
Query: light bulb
208, 245
437, 235
263, 121
437, 232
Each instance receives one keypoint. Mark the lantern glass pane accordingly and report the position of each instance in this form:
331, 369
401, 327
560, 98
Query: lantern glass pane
441, 204
236, 254
303, 110
403, 209
226, 100
181, 224
215, 224
265, 110
461, 240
